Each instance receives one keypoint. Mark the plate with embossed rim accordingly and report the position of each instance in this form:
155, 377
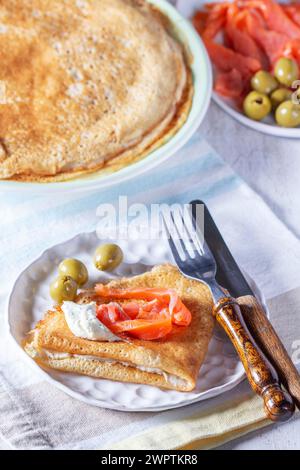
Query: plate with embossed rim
30, 298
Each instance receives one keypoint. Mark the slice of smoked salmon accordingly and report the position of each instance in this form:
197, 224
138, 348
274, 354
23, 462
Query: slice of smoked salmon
200, 21
272, 42
168, 298
112, 313
126, 319
293, 12
215, 21
239, 37
275, 16
146, 330
230, 84
292, 50
150, 317
226, 59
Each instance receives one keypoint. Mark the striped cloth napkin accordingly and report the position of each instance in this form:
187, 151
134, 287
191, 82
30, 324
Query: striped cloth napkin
35, 414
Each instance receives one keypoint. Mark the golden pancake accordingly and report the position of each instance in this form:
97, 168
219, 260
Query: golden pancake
173, 362
86, 86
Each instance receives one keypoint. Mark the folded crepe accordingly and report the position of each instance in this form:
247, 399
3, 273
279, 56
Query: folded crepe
172, 362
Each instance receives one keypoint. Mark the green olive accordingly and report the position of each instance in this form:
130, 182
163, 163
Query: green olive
279, 96
108, 257
264, 82
75, 269
288, 114
257, 105
63, 288
286, 71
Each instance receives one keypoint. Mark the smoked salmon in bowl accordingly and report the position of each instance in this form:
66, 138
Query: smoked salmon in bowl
254, 46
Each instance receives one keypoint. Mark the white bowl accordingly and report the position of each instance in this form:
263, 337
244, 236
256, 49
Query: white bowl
202, 78
267, 126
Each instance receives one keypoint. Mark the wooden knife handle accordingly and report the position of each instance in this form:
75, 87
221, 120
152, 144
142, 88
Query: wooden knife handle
267, 339
262, 376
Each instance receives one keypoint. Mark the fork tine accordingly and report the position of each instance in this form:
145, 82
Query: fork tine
185, 247
187, 240
193, 230
182, 242
178, 237
199, 265
205, 248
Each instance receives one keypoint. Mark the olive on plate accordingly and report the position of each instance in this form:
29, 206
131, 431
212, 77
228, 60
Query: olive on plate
279, 96
108, 257
264, 82
286, 71
75, 269
63, 288
257, 105
288, 114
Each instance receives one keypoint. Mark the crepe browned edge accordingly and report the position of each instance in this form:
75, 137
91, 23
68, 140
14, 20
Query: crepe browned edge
180, 354
129, 157
148, 144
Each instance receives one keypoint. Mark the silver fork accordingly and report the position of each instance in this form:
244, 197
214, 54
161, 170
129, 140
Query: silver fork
191, 253
195, 261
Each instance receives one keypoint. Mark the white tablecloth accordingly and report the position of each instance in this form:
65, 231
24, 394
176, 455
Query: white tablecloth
271, 166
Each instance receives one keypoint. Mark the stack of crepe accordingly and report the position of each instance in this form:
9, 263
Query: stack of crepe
86, 86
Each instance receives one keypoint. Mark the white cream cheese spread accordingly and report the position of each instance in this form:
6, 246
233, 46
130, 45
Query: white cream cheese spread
83, 322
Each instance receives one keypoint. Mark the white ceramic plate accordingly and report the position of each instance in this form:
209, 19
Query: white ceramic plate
268, 126
29, 300
202, 77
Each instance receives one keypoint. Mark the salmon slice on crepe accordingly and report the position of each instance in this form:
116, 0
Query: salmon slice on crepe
159, 325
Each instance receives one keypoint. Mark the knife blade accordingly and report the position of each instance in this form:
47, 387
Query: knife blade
230, 276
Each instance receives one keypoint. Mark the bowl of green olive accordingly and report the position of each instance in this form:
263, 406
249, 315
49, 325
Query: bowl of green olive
272, 105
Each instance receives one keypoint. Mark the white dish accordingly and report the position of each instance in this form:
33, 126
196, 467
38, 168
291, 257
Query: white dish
202, 78
29, 299
268, 126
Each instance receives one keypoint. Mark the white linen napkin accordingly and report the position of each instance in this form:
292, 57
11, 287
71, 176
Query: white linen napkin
35, 414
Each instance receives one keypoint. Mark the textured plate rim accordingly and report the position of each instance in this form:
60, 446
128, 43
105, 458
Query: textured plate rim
202, 76
213, 392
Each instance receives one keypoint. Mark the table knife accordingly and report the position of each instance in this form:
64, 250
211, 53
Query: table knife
231, 277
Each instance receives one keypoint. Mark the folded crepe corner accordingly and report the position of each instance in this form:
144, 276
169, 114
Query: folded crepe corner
172, 362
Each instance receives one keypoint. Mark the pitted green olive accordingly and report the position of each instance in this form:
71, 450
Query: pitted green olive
288, 114
279, 96
264, 82
286, 71
63, 288
75, 269
257, 105
108, 257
